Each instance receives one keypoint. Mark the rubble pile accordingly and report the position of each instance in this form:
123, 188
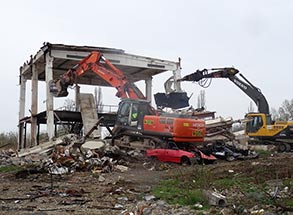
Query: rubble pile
69, 155
5, 156
151, 206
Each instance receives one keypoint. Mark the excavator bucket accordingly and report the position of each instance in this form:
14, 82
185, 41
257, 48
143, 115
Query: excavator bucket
174, 100
57, 89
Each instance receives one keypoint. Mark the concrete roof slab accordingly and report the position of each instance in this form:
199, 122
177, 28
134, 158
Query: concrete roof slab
135, 67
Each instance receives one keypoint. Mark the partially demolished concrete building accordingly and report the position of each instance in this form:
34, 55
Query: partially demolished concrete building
52, 60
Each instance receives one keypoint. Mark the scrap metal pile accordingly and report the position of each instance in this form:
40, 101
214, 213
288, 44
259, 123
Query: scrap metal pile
225, 144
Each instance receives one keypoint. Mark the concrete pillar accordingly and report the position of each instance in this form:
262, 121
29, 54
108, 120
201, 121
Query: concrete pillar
22, 82
77, 98
148, 89
34, 105
49, 99
177, 75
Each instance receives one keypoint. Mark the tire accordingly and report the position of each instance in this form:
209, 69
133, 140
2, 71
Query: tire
198, 158
282, 147
288, 147
185, 161
230, 158
151, 144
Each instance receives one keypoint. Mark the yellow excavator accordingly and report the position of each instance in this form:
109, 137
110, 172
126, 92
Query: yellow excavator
259, 126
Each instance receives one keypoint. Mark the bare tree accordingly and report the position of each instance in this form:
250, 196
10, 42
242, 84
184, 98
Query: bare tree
201, 100
275, 115
99, 99
69, 105
99, 103
250, 107
285, 112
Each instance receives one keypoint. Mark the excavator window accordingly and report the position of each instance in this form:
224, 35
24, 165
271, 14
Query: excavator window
134, 114
254, 124
125, 109
123, 113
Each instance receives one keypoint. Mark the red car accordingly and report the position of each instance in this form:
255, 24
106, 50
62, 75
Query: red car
176, 155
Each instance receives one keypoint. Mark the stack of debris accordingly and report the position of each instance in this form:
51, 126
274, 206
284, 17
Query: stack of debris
219, 128
225, 144
5, 157
66, 154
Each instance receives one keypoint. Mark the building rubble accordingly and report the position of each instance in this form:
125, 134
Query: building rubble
70, 153
64, 156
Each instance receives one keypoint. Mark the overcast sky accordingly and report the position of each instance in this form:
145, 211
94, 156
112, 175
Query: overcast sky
253, 36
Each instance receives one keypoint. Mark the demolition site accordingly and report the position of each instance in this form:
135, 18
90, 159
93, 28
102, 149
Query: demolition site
167, 158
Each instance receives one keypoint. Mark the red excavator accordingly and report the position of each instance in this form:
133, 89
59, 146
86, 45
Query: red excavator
136, 120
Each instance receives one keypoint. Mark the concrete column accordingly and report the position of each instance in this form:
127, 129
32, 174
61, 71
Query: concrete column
148, 89
34, 105
177, 75
77, 98
49, 99
22, 82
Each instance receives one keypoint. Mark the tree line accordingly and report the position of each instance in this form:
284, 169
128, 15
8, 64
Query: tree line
285, 112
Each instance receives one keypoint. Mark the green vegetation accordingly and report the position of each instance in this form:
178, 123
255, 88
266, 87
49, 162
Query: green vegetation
264, 153
187, 185
289, 183
288, 202
10, 169
175, 192
9, 138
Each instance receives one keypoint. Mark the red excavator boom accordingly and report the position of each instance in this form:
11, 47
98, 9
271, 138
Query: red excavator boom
98, 64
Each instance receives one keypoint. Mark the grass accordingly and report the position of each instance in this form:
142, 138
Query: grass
289, 183
264, 153
10, 169
175, 191
288, 202
186, 186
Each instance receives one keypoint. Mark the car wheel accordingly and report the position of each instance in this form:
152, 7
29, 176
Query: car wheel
288, 147
230, 158
198, 158
185, 161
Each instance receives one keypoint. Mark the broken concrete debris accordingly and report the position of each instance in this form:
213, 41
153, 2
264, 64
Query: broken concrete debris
62, 157
215, 198
70, 153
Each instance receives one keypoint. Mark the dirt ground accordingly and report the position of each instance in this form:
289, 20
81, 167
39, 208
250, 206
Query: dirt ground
118, 192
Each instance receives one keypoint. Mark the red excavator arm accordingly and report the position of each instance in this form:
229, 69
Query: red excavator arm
98, 64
